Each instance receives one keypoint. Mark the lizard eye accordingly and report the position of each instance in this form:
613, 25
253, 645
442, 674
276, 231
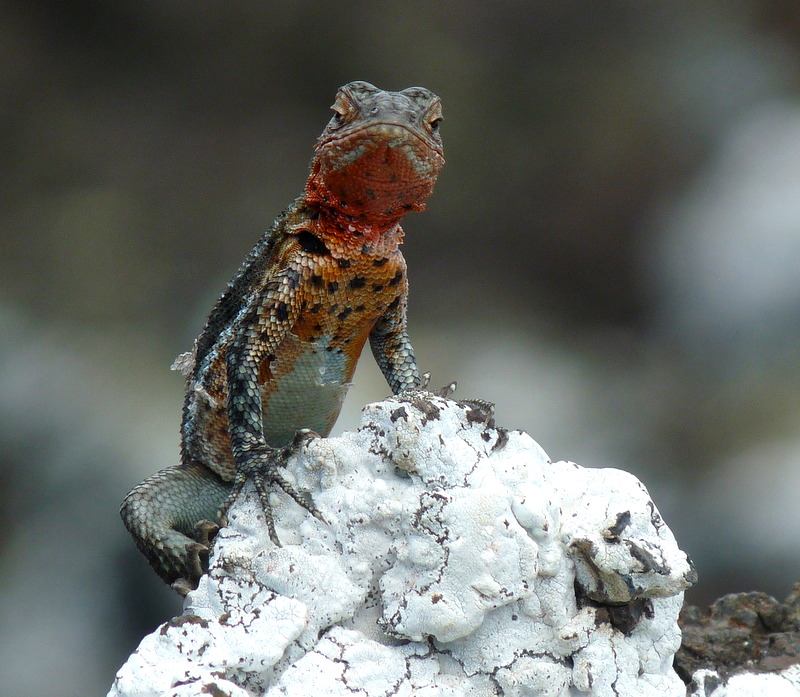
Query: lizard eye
435, 116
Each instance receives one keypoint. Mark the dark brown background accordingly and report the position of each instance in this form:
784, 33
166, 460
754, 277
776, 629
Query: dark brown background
611, 256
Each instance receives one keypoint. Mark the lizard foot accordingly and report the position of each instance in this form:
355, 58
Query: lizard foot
196, 556
424, 386
479, 409
480, 405
264, 467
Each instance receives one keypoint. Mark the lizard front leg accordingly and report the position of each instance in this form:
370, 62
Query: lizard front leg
394, 354
257, 336
392, 348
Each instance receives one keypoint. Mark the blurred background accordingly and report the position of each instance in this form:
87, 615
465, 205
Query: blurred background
612, 255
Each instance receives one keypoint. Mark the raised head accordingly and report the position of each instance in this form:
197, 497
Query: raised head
379, 156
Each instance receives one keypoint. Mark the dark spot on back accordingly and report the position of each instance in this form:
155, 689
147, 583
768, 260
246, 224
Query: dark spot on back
396, 279
343, 263
357, 282
293, 278
380, 262
343, 315
281, 311
333, 286
312, 244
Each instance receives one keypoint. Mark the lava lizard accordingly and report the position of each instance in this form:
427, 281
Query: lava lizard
279, 348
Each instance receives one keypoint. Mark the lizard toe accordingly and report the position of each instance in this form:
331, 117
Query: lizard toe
195, 564
301, 438
447, 390
205, 531
264, 467
424, 386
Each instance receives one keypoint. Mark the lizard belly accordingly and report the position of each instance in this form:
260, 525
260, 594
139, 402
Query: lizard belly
310, 394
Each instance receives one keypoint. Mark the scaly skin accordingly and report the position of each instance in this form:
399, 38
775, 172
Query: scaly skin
279, 348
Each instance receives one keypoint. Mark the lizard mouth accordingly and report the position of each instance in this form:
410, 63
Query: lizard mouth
390, 132
383, 168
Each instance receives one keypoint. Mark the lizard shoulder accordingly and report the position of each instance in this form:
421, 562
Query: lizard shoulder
263, 262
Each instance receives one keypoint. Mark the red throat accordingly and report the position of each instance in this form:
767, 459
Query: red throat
345, 234
368, 181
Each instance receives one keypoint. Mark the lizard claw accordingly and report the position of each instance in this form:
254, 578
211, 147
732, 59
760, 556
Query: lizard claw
424, 381
301, 438
205, 531
264, 467
447, 390
196, 562
196, 556
424, 386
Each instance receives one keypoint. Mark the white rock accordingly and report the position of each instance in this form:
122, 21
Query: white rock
448, 565
784, 684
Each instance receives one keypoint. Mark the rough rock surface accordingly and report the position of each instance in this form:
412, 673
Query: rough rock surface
742, 633
709, 683
456, 560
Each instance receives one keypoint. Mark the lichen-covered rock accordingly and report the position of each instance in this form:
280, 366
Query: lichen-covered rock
455, 559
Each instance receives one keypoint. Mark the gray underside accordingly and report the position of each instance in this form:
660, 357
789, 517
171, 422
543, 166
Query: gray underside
309, 396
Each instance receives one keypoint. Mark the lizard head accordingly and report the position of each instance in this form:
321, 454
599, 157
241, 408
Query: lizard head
379, 156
